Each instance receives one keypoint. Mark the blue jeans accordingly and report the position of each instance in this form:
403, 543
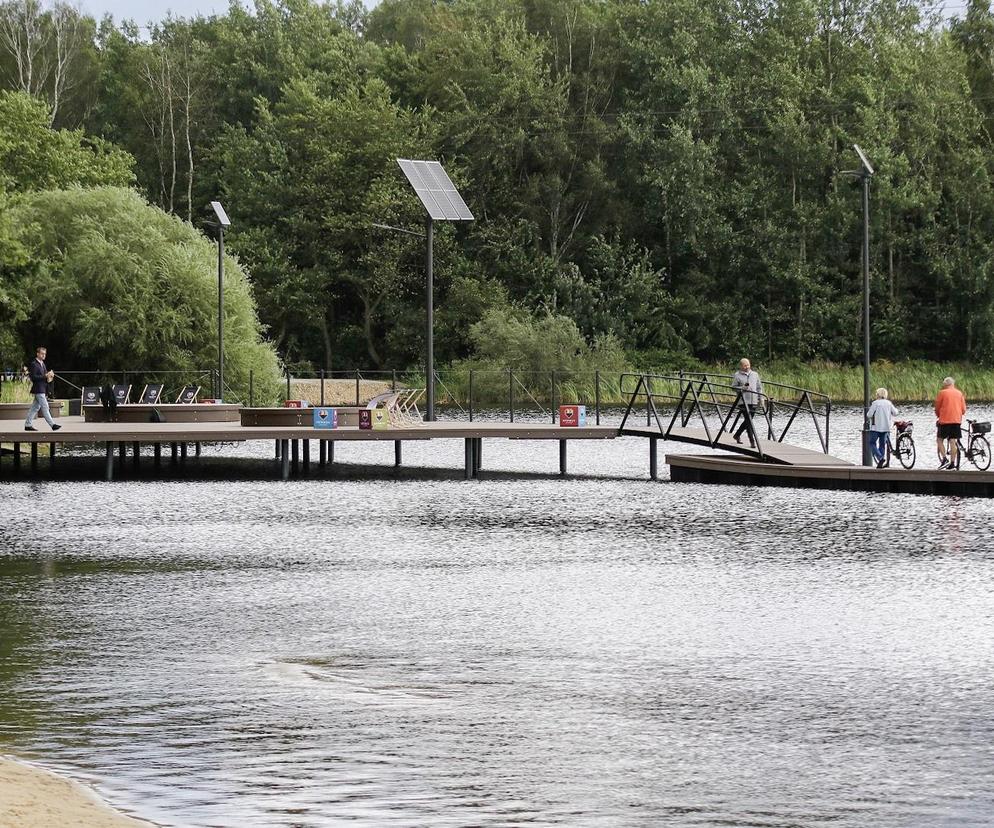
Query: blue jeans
40, 403
878, 445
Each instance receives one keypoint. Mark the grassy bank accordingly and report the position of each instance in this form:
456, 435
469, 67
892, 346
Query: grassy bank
906, 381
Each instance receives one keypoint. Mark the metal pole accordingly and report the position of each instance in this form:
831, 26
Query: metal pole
471, 395
357, 387
251, 388
220, 311
867, 461
429, 334
510, 391
597, 395
322, 387
553, 406
287, 385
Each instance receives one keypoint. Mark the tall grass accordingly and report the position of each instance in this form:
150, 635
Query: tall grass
905, 381
15, 392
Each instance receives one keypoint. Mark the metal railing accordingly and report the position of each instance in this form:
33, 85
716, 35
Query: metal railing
713, 404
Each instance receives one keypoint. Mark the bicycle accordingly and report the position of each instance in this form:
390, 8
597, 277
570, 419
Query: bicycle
903, 448
978, 450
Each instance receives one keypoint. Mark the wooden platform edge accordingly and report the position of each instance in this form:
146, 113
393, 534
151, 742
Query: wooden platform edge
689, 468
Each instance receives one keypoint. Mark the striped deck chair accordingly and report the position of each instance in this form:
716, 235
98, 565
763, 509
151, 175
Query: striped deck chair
387, 401
407, 406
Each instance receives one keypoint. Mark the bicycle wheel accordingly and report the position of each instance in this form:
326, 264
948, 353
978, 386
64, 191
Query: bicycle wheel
980, 453
905, 450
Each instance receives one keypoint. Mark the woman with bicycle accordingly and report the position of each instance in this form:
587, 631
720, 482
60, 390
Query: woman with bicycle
880, 415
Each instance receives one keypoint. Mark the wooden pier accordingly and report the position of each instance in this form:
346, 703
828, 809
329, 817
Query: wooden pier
741, 471
292, 445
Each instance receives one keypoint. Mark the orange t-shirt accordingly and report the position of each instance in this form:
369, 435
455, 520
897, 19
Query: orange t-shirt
950, 406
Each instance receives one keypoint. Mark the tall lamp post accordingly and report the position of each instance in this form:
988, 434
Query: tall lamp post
222, 222
865, 173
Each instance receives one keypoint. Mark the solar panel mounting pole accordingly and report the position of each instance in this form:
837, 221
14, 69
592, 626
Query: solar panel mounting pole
430, 329
442, 202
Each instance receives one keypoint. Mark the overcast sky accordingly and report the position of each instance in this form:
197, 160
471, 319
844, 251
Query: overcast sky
142, 11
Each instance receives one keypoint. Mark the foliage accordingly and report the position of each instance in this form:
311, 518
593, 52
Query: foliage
115, 283
668, 174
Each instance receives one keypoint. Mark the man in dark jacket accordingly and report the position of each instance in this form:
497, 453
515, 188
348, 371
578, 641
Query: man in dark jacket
40, 378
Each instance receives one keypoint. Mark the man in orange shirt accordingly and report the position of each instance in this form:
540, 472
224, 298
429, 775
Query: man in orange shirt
950, 406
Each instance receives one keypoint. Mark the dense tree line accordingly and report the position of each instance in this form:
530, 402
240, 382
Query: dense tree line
665, 177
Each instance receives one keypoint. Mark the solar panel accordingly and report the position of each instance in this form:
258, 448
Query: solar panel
436, 190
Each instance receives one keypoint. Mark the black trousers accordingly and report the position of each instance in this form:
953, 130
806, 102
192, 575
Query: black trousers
745, 423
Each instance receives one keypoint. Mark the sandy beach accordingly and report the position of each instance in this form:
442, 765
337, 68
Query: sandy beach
34, 798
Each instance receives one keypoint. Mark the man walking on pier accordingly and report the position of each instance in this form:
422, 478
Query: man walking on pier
752, 389
40, 378
950, 407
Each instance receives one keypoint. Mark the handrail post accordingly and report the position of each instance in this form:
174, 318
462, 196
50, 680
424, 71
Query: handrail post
510, 392
553, 403
357, 387
393, 379
288, 384
828, 421
597, 396
648, 401
471, 395
322, 387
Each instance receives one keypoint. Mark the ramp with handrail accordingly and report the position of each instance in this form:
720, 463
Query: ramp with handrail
707, 409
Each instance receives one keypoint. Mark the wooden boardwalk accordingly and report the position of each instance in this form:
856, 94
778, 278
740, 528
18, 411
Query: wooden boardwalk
742, 472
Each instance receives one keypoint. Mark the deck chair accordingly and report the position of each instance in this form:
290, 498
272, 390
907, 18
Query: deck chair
407, 406
90, 395
150, 395
188, 395
387, 401
122, 394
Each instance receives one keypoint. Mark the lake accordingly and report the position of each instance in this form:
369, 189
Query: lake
521, 650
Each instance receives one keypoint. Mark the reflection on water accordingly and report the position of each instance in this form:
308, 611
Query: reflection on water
514, 651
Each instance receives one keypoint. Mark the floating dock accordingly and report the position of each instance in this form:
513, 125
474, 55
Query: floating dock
742, 471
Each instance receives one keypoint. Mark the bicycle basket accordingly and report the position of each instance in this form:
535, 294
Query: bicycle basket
903, 426
980, 428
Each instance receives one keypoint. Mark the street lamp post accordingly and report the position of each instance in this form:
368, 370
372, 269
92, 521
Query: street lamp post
865, 173
222, 222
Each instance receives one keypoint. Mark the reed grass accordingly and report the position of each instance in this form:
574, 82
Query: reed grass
15, 392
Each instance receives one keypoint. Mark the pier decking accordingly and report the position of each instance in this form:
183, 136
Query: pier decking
289, 441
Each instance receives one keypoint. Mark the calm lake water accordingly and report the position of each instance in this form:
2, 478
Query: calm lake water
597, 651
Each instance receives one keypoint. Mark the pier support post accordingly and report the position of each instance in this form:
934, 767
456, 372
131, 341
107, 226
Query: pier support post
34, 457
136, 452
477, 456
197, 448
122, 450
322, 453
653, 458
397, 453
109, 464
295, 449
17, 457
157, 454
51, 456
562, 458
278, 448
470, 453
182, 452
331, 452
307, 454
173, 450
285, 459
